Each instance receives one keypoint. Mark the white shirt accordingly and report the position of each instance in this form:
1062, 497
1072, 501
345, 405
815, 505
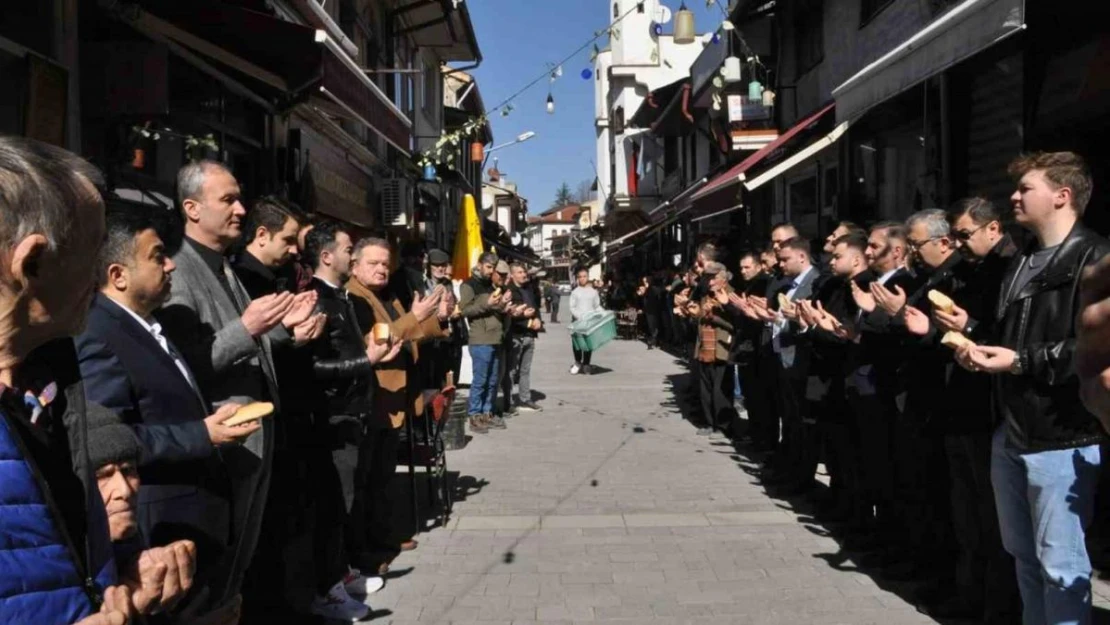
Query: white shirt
155, 330
888, 275
779, 324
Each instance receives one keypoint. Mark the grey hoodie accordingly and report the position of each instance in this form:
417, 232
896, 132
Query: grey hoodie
583, 301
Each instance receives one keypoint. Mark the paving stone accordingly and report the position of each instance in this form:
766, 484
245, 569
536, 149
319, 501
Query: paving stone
608, 508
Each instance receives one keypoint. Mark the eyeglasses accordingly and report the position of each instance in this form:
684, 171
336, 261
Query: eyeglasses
915, 246
966, 236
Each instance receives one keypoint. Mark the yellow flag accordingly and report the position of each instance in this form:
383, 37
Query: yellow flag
468, 240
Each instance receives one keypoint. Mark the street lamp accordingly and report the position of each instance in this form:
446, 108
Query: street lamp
521, 138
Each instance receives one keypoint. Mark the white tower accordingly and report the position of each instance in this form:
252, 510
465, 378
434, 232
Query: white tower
633, 42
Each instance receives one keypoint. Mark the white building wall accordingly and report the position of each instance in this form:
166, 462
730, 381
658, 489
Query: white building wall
638, 63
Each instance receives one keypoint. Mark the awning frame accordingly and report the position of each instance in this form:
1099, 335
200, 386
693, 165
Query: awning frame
797, 157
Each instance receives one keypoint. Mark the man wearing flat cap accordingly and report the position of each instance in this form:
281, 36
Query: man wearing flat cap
440, 351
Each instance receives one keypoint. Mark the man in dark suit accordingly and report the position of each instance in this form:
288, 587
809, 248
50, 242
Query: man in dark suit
130, 368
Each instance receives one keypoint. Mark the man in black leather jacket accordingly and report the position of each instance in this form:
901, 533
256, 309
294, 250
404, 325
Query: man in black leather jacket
343, 366
1045, 457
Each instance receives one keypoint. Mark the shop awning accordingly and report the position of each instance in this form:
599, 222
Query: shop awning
797, 157
287, 57
441, 24
615, 243
969, 27
735, 175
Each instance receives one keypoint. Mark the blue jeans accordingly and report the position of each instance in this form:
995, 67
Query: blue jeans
483, 384
1045, 500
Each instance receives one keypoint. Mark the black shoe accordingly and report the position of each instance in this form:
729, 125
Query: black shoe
530, 406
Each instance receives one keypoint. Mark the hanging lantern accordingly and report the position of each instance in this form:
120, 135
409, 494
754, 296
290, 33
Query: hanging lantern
138, 158
684, 25
731, 69
429, 171
768, 98
550, 104
755, 91
587, 74
477, 151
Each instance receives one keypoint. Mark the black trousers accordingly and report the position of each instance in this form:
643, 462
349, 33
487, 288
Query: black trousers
873, 441
792, 407
329, 554
369, 523
716, 387
761, 398
921, 487
504, 378
651, 318
984, 571
581, 357
554, 311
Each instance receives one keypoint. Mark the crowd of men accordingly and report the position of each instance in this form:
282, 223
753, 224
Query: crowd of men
933, 366
130, 339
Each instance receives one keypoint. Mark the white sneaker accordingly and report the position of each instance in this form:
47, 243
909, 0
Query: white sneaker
337, 604
355, 583
574, 369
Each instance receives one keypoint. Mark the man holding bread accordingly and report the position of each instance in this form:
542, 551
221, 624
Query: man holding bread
483, 305
1045, 456
399, 395
985, 579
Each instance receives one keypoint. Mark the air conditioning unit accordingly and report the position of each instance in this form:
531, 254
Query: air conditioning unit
396, 202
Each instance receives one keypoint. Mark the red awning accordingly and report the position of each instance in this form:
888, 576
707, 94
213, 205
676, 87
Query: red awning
732, 176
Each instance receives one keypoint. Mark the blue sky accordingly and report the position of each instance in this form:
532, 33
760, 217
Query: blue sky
518, 38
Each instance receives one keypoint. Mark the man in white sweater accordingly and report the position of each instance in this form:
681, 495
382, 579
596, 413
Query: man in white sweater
583, 301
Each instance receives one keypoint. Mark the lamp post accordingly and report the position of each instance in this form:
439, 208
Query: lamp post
521, 138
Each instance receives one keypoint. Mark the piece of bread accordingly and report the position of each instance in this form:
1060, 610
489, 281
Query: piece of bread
784, 301
497, 292
955, 340
941, 301
250, 412
380, 333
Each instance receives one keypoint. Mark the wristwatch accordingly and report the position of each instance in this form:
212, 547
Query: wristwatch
1016, 368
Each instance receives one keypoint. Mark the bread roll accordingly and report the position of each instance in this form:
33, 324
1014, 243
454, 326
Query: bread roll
251, 412
955, 340
497, 292
941, 301
784, 301
380, 333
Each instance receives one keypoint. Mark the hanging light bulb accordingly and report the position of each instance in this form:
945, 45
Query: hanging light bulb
684, 25
755, 91
550, 104
731, 69
768, 97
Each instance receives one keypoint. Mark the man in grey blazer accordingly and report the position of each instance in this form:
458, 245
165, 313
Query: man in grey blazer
226, 340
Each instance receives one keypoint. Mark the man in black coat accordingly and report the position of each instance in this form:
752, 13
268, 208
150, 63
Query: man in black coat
129, 367
986, 586
758, 397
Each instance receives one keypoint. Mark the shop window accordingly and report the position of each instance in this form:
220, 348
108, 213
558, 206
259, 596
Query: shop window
802, 202
868, 9
809, 35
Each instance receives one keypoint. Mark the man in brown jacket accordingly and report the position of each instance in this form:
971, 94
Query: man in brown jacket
400, 392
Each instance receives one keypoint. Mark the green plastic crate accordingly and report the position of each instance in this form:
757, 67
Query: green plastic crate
592, 332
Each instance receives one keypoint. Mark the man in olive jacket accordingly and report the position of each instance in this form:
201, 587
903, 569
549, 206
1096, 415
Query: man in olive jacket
484, 310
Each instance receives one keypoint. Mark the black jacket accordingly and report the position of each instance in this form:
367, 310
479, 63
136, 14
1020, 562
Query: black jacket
1041, 406
748, 331
299, 394
526, 295
977, 293
882, 344
340, 363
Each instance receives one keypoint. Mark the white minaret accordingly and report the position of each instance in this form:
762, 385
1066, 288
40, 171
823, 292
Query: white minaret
635, 44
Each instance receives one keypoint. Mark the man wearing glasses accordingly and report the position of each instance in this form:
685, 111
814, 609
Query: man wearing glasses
987, 589
920, 484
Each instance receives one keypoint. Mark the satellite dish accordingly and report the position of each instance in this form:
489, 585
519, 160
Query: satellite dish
515, 238
662, 15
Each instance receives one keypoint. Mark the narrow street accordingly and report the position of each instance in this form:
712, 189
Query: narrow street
608, 507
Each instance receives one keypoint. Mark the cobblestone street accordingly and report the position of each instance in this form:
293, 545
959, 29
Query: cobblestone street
608, 507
